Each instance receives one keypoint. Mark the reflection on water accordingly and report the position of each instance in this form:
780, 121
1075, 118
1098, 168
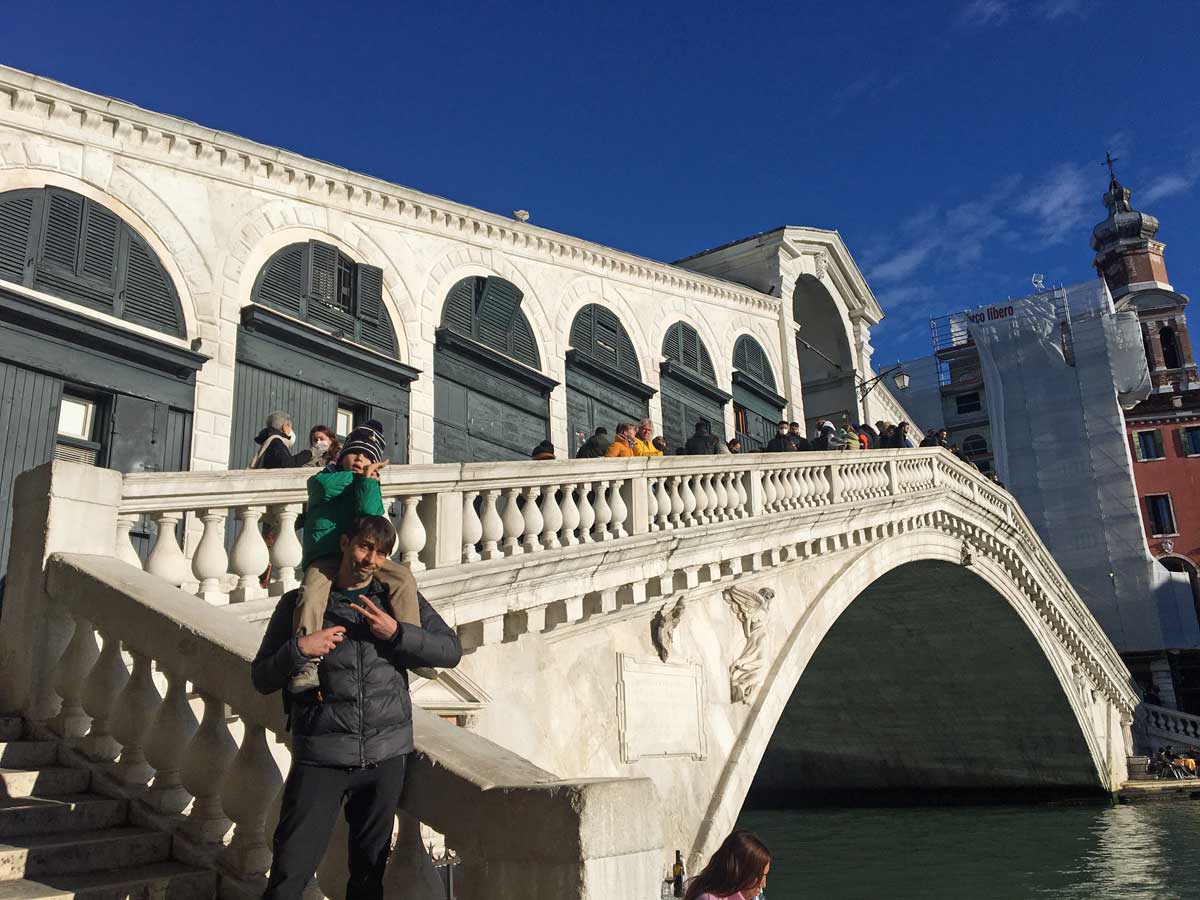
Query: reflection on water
1052, 852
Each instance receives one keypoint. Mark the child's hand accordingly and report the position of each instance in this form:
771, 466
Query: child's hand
374, 469
382, 625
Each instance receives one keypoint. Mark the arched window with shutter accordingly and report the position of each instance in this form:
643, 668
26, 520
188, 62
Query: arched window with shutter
286, 360
604, 377
689, 386
318, 284
59, 242
756, 404
490, 400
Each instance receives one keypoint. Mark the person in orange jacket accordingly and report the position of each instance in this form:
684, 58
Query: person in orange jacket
643, 440
623, 443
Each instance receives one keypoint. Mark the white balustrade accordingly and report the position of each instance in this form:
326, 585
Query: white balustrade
250, 785
250, 556
133, 716
286, 553
492, 528
602, 511
533, 521
652, 504
687, 513
124, 542
166, 559
514, 523
206, 760
472, 528
411, 534
570, 517
587, 512
552, 518
678, 505
170, 733
104, 683
210, 562
77, 661
619, 511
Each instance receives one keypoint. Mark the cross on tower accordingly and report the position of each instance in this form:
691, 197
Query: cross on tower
1109, 159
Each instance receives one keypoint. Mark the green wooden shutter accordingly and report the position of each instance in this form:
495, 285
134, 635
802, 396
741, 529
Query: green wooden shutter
459, 312
706, 364
497, 310
368, 288
60, 237
321, 274
672, 341
147, 296
101, 236
582, 330
524, 347
16, 223
741, 355
281, 284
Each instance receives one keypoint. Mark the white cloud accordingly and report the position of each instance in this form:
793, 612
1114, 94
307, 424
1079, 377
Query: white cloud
902, 264
1060, 204
984, 13
1165, 186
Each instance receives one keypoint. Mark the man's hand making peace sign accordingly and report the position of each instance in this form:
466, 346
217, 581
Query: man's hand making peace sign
382, 625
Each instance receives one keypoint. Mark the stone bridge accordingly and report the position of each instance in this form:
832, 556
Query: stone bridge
649, 643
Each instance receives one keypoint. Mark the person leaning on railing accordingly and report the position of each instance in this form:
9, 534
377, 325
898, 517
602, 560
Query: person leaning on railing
623, 443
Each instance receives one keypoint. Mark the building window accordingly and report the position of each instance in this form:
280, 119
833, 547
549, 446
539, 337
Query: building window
345, 421
1148, 445
974, 445
74, 441
1170, 347
1191, 440
1162, 516
968, 403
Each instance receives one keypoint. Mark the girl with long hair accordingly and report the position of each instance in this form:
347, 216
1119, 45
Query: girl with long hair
737, 871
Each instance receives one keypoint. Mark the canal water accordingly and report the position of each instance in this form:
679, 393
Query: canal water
1049, 852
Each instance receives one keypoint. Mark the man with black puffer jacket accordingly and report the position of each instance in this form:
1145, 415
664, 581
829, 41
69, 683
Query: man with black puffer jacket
352, 736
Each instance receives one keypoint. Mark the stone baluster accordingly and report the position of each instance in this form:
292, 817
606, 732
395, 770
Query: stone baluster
532, 519
124, 543
166, 559
652, 503
664, 503
719, 485
552, 518
104, 684
687, 514
133, 715
787, 493
172, 730
743, 496
851, 484
472, 528
492, 527
250, 556
712, 499
798, 490
251, 784
804, 488
286, 554
619, 510
587, 513
702, 506
205, 763
770, 495
835, 483
77, 661
411, 534
570, 517
677, 503
210, 562
514, 523
603, 512
821, 475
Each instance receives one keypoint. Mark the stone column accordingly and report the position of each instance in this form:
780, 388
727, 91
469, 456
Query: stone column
790, 383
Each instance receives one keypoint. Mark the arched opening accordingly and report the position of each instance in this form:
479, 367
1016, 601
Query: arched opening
604, 378
79, 387
689, 387
975, 448
827, 372
1170, 347
903, 697
757, 405
490, 400
316, 342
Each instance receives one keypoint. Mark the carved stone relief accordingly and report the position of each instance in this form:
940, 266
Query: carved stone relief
749, 668
662, 628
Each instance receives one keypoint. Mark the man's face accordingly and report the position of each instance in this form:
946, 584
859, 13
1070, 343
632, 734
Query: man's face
628, 435
355, 462
360, 557
644, 431
795, 429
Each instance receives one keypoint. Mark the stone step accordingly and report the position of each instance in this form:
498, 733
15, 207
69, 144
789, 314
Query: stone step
11, 728
157, 881
70, 812
49, 781
34, 856
1137, 768
28, 754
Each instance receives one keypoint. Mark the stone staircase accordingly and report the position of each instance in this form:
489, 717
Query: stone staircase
59, 838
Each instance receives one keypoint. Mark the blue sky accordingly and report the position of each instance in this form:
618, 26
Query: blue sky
955, 145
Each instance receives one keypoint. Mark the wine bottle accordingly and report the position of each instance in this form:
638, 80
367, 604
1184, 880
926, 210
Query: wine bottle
677, 872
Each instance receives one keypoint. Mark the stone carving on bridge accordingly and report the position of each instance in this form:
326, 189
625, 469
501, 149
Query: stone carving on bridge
662, 628
967, 556
748, 670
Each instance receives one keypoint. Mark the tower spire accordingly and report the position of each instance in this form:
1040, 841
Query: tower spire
1126, 252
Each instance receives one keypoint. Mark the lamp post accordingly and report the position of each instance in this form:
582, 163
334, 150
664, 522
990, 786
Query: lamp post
899, 378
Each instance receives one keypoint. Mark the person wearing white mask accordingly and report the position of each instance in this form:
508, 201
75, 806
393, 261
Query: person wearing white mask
323, 448
275, 443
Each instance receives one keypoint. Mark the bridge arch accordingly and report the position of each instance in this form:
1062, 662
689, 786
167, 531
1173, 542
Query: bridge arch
871, 604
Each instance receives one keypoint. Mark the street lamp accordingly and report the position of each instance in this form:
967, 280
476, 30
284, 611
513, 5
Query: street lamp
899, 378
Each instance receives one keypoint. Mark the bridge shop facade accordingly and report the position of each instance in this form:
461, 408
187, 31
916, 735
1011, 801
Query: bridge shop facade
163, 287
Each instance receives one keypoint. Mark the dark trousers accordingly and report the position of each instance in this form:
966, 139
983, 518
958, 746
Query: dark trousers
312, 796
